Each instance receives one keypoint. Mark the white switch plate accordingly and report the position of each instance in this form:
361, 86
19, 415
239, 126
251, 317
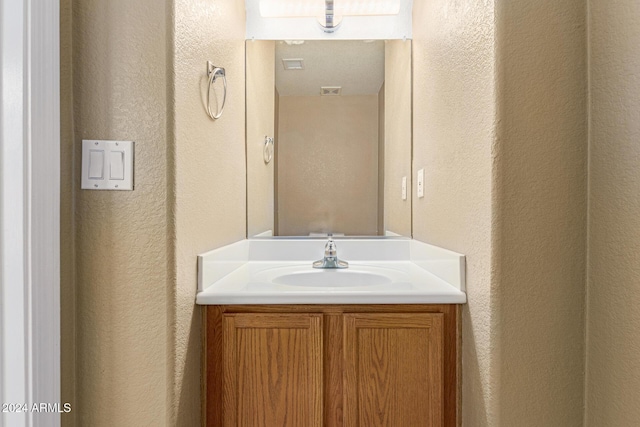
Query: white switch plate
404, 188
421, 183
107, 165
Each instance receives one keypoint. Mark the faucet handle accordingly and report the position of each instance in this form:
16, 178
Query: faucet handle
330, 248
330, 259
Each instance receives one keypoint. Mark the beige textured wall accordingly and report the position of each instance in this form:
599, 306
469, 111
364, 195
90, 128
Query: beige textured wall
540, 198
328, 165
453, 137
67, 225
397, 137
613, 315
139, 73
209, 198
121, 242
260, 89
137, 326
500, 127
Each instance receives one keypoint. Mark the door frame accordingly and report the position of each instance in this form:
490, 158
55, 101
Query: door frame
30, 210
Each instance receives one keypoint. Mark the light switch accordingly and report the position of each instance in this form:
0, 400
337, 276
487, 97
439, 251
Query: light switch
421, 183
96, 164
107, 165
404, 188
116, 165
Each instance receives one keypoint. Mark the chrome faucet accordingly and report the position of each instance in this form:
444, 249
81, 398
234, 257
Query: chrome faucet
330, 259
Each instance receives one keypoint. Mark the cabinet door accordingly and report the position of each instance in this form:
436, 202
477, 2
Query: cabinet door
393, 373
272, 370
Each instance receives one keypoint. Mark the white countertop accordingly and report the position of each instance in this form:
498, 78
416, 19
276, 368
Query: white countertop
414, 273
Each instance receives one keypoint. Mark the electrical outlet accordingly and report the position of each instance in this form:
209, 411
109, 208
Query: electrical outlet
421, 183
404, 188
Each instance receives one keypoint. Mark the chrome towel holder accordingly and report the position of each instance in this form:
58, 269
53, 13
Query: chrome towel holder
214, 72
267, 151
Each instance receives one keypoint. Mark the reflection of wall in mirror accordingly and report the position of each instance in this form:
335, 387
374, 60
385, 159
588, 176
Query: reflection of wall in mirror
328, 165
260, 123
397, 128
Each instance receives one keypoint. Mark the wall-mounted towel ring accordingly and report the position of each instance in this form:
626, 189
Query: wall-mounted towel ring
214, 72
267, 151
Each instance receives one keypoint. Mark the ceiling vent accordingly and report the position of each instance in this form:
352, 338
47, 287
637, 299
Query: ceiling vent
330, 90
293, 64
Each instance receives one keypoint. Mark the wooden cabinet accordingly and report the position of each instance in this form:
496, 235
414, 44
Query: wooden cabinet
393, 369
272, 369
311, 365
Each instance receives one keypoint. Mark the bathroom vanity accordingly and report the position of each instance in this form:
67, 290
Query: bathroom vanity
371, 345
329, 150
331, 365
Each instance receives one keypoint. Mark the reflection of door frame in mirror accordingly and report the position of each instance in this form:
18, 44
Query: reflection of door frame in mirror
276, 101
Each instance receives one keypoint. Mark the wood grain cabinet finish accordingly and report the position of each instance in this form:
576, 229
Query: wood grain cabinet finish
393, 369
331, 366
272, 370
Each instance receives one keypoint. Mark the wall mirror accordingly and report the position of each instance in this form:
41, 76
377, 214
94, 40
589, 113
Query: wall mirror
328, 137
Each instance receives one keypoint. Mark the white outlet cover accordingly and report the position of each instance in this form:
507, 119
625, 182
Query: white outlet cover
421, 183
404, 188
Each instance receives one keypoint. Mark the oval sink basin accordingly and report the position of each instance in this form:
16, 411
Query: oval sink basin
331, 278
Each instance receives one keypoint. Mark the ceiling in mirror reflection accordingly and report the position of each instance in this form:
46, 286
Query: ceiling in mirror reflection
356, 66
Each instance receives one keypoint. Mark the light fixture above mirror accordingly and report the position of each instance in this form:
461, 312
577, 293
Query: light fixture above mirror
300, 8
357, 19
329, 13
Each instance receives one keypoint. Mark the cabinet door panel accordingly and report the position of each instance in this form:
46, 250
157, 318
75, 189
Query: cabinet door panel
272, 370
393, 369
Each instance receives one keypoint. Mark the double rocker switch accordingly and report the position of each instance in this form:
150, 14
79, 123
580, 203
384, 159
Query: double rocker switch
107, 165
97, 162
